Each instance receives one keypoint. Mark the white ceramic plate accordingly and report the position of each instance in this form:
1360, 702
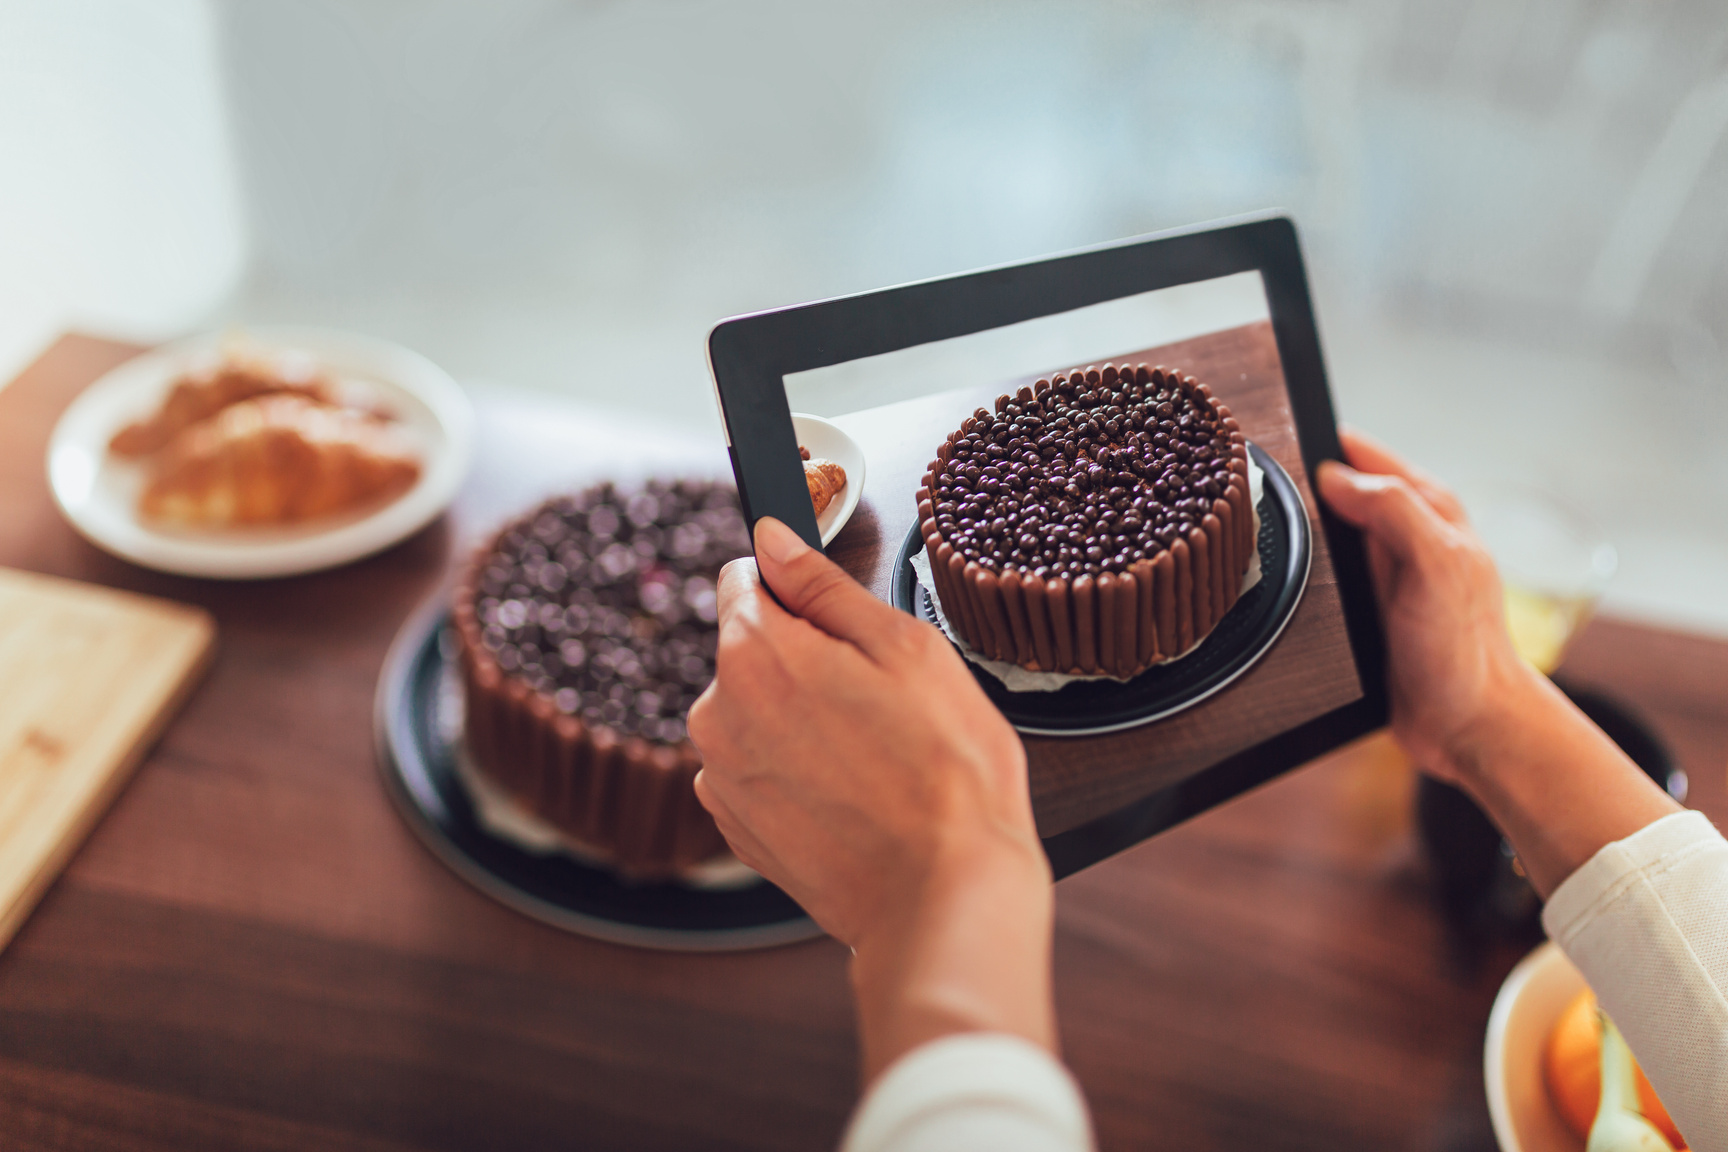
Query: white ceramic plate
1530, 1002
828, 441
98, 493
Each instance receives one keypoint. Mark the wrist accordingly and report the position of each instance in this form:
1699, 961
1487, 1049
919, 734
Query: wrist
969, 951
1515, 699
983, 877
1553, 783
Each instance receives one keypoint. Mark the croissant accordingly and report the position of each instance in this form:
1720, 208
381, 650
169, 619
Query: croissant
825, 479
200, 395
277, 459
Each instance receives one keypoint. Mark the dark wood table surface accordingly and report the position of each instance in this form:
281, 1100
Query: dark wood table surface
253, 952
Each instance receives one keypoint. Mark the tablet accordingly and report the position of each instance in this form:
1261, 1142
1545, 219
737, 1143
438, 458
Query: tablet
1063, 370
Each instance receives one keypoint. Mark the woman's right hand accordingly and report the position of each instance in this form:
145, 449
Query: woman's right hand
1465, 707
1452, 665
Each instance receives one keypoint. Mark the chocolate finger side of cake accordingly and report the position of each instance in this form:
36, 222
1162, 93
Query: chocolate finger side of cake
586, 628
1096, 523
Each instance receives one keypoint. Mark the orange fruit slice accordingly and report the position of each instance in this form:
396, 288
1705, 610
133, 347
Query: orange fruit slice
1572, 1069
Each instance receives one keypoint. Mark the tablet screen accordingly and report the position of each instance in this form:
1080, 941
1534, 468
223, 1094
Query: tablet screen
1076, 450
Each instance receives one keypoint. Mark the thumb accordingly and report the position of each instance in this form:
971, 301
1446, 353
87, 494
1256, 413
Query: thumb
1385, 507
815, 588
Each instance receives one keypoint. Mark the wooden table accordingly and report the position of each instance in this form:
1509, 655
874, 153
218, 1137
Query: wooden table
253, 952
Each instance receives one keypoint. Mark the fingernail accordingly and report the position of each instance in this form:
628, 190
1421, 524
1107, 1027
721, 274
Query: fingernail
1336, 476
778, 542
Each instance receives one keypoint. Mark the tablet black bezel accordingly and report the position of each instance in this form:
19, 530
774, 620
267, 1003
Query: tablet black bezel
750, 355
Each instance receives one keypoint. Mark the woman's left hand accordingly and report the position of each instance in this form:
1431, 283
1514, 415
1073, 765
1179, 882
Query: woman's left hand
850, 757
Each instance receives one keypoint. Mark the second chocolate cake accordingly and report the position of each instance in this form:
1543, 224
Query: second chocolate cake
587, 629
1096, 523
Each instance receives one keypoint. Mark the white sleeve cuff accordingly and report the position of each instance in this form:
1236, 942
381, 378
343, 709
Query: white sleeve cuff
983, 1091
1658, 847
1646, 922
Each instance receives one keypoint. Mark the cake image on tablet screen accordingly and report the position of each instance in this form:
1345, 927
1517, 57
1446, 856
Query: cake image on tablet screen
1096, 523
586, 630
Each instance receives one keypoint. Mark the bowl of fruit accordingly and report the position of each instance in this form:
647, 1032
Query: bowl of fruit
1542, 1060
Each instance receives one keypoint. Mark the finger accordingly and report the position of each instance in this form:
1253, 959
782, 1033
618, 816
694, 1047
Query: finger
751, 623
739, 839
1387, 508
697, 719
1367, 454
1381, 567
739, 589
813, 587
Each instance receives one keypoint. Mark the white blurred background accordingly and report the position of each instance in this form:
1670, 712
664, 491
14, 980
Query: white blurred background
1516, 211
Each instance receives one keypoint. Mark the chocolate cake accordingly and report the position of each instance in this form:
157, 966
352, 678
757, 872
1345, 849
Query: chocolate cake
1096, 523
587, 629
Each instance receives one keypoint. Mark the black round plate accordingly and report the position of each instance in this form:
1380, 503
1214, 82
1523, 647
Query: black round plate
1090, 707
418, 725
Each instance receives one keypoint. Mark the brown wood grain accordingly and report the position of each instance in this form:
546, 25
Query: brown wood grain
252, 952
1308, 672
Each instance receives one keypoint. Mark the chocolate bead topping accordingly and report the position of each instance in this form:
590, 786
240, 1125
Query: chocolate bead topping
1097, 469
604, 601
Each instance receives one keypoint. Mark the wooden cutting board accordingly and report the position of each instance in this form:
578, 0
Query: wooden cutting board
89, 677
